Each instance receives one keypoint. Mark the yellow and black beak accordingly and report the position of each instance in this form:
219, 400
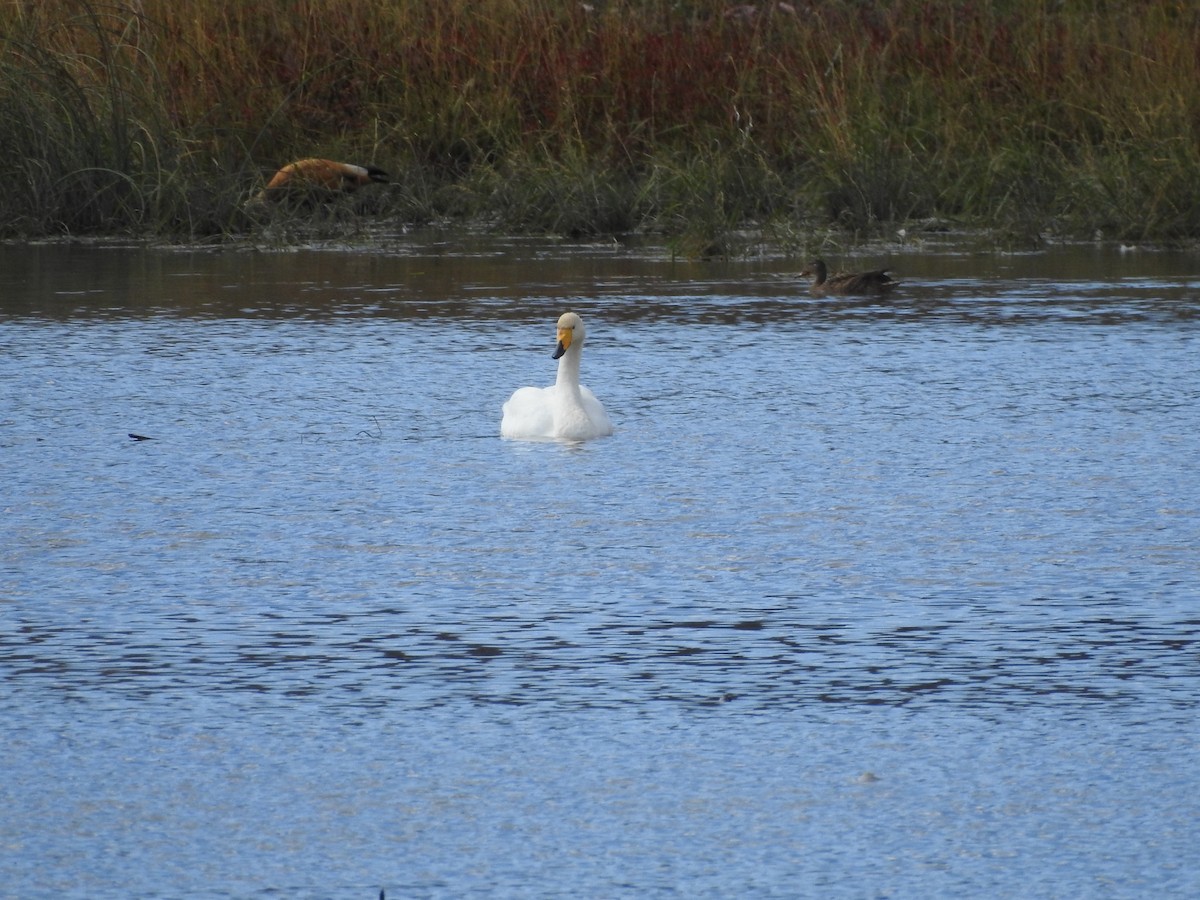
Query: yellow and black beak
564, 341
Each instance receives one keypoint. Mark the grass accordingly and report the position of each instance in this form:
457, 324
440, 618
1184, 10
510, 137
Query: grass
694, 120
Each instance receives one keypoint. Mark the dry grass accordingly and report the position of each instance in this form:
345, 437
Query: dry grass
159, 116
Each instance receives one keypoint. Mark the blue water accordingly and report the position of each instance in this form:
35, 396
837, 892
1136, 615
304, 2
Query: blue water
862, 599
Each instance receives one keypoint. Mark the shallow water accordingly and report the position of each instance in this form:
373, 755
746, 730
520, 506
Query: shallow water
870, 599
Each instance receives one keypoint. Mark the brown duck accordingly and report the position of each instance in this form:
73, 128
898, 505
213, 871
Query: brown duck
876, 282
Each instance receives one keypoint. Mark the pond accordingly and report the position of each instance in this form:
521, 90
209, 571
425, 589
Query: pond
863, 597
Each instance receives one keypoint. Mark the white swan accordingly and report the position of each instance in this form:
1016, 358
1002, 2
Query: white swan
564, 411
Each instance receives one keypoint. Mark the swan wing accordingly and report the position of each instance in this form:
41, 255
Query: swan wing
596, 413
528, 413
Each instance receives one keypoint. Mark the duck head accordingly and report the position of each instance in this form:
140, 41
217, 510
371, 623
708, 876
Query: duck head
816, 269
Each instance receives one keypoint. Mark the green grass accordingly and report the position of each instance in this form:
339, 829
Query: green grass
689, 120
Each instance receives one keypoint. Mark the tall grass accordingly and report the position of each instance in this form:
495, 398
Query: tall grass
694, 119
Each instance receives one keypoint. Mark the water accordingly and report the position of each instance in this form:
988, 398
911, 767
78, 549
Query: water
862, 599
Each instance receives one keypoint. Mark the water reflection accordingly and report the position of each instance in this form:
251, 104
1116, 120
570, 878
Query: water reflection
986, 658
519, 280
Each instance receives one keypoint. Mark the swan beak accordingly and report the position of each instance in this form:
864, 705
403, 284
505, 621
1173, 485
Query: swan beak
564, 342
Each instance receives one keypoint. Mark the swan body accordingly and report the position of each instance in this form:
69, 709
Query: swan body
876, 282
566, 410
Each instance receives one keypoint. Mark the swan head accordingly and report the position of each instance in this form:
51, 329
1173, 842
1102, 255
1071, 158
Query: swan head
570, 332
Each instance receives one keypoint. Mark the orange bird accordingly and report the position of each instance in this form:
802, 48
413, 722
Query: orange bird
319, 175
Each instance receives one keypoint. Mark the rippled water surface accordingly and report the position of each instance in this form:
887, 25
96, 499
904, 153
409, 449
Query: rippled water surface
867, 599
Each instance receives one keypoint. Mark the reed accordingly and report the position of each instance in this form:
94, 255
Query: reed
691, 119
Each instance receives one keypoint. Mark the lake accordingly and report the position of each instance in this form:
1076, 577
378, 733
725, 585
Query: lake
868, 598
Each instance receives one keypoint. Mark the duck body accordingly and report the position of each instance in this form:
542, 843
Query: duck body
309, 176
875, 282
566, 410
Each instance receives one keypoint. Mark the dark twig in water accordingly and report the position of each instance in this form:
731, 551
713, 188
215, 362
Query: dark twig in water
377, 433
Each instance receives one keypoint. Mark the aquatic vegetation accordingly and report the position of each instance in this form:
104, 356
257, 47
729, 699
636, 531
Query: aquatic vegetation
688, 119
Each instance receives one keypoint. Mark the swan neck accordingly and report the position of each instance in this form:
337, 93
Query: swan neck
568, 368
